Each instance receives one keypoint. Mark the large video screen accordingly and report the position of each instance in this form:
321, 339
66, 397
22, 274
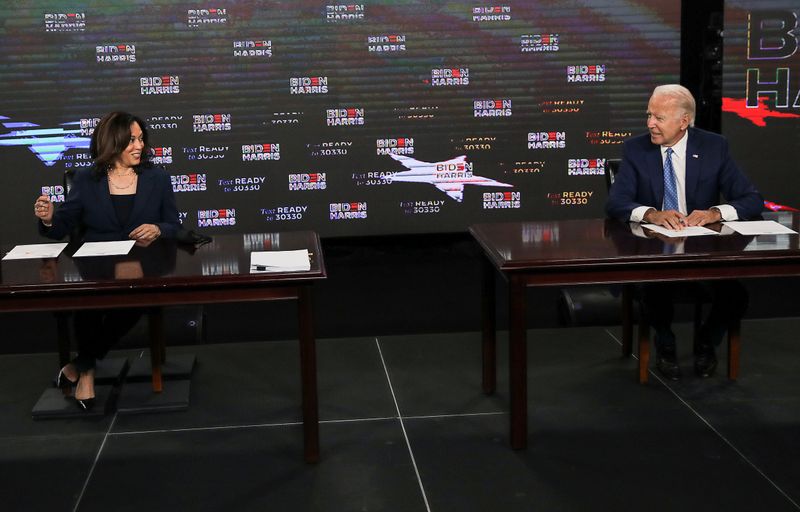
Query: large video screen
761, 95
350, 119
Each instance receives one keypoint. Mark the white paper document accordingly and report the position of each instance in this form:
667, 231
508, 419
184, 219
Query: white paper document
687, 231
104, 248
25, 252
279, 261
759, 227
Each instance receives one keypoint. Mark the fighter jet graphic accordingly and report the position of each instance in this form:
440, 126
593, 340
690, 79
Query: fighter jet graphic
48, 144
449, 176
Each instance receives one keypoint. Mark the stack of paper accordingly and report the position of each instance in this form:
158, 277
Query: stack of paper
760, 227
24, 252
280, 261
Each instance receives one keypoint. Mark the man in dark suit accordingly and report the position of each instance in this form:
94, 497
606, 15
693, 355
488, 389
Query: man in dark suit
673, 176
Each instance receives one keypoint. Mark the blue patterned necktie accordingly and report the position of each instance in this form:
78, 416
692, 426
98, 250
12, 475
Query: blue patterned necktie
670, 189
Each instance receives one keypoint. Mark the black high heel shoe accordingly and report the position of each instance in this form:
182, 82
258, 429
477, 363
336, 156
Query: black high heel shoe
85, 404
62, 382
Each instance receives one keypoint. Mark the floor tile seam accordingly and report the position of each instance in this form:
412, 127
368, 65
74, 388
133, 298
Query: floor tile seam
51, 437
246, 426
94, 464
455, 415
339, 421
402, 426
715, 431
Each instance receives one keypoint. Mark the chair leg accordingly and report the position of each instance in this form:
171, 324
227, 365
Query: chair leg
157, 349
734, 347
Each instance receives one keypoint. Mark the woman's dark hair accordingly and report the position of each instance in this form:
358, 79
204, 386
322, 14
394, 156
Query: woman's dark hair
110, 138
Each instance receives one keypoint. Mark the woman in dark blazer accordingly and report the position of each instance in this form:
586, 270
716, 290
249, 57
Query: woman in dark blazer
121, 197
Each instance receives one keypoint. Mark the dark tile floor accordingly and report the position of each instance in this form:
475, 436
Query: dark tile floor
405, 427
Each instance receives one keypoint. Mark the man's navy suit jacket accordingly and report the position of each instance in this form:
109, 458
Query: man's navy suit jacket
710, 171
89, 206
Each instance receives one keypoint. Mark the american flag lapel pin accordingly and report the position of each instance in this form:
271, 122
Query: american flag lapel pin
695, 156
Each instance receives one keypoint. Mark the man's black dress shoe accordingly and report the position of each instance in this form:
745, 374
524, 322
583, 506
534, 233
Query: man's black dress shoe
667, 365
705, 361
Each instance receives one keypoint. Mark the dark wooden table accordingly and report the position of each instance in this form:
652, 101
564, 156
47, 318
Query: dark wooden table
602, 251
165, 274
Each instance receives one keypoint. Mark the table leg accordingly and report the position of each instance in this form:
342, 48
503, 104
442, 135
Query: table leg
308, 372
155, 319
518, 363
489, 325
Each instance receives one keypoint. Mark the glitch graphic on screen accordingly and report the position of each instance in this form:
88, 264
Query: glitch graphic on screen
761, 96
348, 119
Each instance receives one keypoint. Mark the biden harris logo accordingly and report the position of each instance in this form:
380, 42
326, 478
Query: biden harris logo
211, 123
115, 53
449, 77
344, 116
308, 181
502, 200
308, 85
344, 12
197, 18
538, 43
584, 74
390, 43
215, 218
253, 48
161, 155
260, 152
547, 140
586, 166
401, 146
492, 108
167, 84
195, 182
348, 211
54, 192
64, 21
492, 13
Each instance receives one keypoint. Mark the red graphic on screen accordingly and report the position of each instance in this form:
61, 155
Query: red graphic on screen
775, 207
758, 115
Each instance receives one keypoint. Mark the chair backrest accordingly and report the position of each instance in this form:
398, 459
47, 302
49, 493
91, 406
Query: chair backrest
77, 231
612, 168
69, 175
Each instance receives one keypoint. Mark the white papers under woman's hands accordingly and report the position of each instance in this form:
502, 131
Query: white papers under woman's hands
26, 252
759, 227
104, 248
280, 261
675, 233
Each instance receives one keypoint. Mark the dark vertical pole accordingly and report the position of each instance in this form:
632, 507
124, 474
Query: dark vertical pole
489, 323
518, 362
627, 320
308, 375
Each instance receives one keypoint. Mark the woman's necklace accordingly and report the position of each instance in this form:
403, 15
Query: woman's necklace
111, 178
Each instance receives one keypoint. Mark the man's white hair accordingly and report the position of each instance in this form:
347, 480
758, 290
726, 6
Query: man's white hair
682, 96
